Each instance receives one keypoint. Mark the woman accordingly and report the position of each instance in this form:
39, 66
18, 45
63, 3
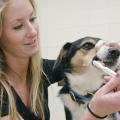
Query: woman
22, 78
107, 99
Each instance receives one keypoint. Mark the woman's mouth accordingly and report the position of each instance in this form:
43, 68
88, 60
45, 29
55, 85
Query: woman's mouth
31, 43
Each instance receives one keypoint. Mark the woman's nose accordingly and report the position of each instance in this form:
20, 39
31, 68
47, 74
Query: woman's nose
31, 30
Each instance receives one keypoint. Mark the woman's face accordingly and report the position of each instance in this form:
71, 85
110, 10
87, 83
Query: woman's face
20, 29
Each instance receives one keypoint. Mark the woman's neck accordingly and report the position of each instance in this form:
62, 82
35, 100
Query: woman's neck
17, 70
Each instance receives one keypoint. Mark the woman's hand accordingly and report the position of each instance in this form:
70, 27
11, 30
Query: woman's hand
107, 99
111, 44
114, 44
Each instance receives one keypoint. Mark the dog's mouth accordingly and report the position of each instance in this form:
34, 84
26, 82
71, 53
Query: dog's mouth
106, 62
111, 59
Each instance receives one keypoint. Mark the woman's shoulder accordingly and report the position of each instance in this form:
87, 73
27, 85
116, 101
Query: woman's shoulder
48, 63
48, 66
48, 72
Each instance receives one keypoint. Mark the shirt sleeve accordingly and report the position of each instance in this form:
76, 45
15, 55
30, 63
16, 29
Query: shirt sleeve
48, 68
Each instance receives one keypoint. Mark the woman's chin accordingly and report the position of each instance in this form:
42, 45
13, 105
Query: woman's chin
32, 53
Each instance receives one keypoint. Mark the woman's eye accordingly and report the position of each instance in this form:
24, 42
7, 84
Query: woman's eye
32, 19
18, 27
88, 46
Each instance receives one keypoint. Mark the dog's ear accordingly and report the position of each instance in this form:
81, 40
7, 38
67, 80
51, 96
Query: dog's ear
58, 68
63, 52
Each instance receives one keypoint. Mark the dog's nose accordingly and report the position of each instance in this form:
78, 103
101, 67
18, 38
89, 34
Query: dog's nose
114, 53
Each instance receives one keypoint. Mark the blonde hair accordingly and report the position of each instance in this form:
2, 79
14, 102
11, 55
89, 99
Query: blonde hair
33, 78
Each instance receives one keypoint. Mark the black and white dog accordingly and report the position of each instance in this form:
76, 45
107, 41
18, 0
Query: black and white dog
81, 78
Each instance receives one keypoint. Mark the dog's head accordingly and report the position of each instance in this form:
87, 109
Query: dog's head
75, 62
76, 56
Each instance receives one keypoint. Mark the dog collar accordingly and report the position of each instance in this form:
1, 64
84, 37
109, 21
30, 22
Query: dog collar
80, 99
76, 97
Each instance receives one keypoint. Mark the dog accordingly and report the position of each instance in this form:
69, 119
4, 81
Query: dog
81, 78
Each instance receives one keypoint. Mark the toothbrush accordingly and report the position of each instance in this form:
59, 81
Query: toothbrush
104, 69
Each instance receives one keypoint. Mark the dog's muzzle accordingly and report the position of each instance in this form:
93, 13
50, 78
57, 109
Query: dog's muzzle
113, 53
109, 57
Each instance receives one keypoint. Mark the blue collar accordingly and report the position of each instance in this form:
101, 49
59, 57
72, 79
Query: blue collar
80, 99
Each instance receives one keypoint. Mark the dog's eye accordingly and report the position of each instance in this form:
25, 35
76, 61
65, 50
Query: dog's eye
88, 46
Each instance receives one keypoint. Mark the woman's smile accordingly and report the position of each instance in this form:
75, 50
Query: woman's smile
32, 43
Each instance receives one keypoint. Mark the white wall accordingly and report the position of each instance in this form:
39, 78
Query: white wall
67, 20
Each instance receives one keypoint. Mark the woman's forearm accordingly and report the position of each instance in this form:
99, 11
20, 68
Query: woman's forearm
88, 116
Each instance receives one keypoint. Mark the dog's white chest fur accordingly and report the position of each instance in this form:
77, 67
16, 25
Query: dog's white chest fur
86, 82
75, 109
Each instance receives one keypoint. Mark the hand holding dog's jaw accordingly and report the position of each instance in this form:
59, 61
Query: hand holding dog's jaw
108, 43
105, 101
114, 44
